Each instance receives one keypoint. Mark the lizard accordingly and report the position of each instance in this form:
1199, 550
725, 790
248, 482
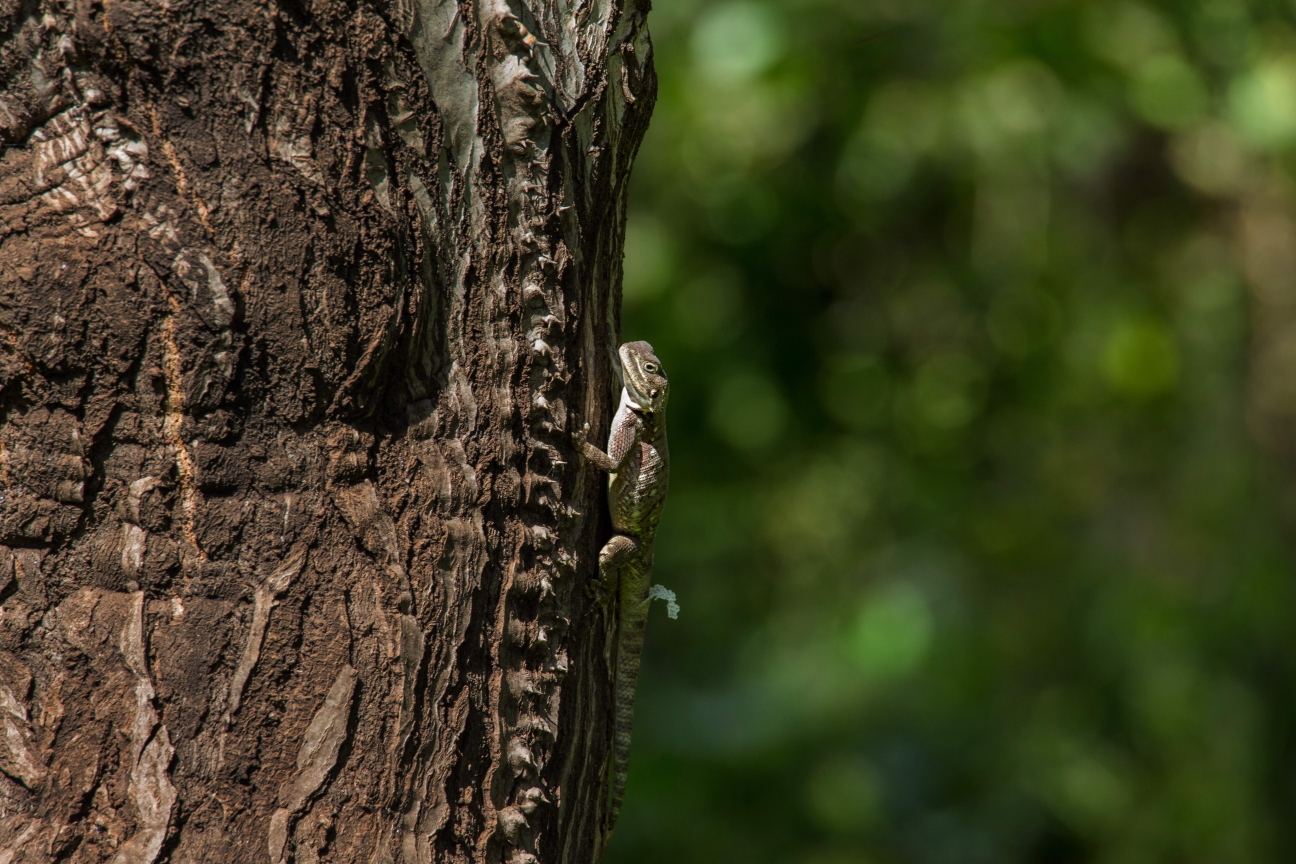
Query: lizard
638, 466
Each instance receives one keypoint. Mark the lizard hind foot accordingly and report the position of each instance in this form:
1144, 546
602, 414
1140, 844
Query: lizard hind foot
599, 590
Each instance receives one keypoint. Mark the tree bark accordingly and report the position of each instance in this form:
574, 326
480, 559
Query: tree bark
298, 302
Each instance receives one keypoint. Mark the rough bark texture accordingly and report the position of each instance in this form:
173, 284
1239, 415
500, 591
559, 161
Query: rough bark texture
298, 301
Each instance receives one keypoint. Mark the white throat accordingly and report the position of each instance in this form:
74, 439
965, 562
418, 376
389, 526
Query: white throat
628, 401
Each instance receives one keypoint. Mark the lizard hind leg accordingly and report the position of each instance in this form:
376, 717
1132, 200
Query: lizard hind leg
614, 553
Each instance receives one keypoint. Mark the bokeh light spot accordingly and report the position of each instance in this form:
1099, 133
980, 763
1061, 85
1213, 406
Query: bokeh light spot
836, 856
855, 391
946, 391
1022, 97
892, 632
748, 411
735, 42
1167, 92
843, 794
1140, 358
708, 310
1128, 33
1092, 787
1210, 158
1263, 104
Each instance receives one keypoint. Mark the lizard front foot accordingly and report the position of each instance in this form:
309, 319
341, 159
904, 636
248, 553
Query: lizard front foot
579, 437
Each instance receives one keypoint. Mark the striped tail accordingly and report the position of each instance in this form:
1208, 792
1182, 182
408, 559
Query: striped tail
629, 646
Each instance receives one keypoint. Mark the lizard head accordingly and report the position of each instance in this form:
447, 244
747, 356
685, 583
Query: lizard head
645, 382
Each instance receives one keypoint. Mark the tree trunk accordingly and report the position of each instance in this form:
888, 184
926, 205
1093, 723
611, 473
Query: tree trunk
299, 301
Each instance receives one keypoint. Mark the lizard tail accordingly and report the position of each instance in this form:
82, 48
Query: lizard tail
629, 648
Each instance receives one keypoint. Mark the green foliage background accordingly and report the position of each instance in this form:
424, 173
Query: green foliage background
979, 557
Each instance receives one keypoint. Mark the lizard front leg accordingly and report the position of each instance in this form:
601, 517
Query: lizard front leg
592, 454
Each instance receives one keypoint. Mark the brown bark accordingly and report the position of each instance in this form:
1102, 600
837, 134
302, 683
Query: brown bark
298, 302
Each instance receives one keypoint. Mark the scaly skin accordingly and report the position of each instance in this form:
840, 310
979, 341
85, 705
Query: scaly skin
638, 466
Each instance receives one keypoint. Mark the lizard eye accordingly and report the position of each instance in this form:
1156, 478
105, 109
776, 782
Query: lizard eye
650, 367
